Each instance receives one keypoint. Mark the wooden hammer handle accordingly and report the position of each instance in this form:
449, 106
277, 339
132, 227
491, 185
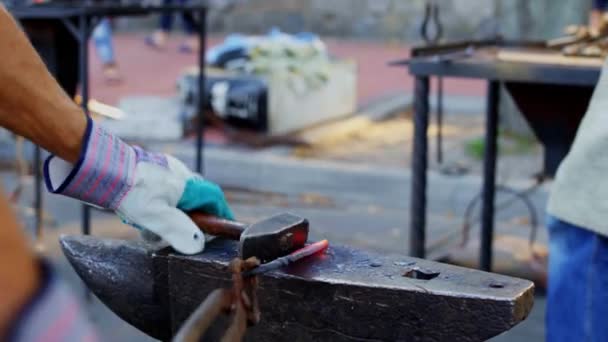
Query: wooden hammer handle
213, 225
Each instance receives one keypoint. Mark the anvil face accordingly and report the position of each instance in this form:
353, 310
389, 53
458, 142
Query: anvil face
343, 295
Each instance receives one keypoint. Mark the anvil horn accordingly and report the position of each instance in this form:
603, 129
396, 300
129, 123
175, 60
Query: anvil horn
121, 274
343, 295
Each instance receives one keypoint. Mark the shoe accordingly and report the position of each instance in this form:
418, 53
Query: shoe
112, 75
151, 42
185, 48
190, 45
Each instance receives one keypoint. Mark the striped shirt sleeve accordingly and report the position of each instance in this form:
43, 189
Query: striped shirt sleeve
52, 314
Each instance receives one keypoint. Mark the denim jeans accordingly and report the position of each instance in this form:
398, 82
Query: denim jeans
166, 19
601, 5
577, 298
102, 38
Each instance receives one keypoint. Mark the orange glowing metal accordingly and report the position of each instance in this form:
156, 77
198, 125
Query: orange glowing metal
301, 253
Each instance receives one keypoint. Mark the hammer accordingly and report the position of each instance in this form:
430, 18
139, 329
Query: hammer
267, 240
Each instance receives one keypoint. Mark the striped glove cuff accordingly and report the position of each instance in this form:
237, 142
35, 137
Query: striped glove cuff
103, 174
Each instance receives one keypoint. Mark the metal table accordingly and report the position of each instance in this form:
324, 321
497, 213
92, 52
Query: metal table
79, 19
552, 97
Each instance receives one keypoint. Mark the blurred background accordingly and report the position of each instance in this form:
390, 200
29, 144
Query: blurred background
309, 108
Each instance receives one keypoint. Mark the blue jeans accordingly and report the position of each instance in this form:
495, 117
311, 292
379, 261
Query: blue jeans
166, 19
601, 5
577, 298
102, 38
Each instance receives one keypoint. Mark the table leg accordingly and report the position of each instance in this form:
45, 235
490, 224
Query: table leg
202, 31
489, 176
419, 168
439, 120
83, 47
38, 192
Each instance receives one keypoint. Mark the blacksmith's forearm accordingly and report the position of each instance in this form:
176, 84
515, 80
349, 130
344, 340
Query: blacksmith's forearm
19, 271
32, 103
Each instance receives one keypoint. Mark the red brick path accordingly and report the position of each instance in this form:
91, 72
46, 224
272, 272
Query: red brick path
150, 72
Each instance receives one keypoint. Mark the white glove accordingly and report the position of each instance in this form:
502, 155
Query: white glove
147, 190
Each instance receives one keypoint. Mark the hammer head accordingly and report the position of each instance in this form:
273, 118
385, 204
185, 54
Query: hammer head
274, 237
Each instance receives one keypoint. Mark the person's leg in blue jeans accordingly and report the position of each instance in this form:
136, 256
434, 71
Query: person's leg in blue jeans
191, 43
577, 296
166, 20
159, 38
102, 38
187, 20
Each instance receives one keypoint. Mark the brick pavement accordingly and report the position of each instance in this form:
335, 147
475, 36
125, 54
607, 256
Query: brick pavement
150, 72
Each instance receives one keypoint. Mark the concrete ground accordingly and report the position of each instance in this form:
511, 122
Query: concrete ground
357, 196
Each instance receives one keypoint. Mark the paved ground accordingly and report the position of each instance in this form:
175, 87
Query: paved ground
151, 72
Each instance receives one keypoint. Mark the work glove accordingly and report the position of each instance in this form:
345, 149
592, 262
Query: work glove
149, 191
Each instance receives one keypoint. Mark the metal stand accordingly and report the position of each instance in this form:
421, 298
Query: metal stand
38, 192
439, 120
83, 53
431, 17
419, 166
200, 129
554, 120
489, 176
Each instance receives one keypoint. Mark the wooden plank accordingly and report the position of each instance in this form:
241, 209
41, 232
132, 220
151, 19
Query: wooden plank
547, 57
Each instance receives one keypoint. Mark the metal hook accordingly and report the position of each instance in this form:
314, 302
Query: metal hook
431, 17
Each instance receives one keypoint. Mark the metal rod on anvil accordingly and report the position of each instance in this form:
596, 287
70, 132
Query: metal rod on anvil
301, 253
320, 298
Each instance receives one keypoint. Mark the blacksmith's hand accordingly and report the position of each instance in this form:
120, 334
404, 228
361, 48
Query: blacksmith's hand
147, 190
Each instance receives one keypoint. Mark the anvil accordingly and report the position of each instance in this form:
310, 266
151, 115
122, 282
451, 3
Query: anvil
343, 295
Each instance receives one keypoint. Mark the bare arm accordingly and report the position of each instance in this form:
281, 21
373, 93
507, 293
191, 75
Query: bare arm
595, 19
32, 104
597, 12
19, 274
